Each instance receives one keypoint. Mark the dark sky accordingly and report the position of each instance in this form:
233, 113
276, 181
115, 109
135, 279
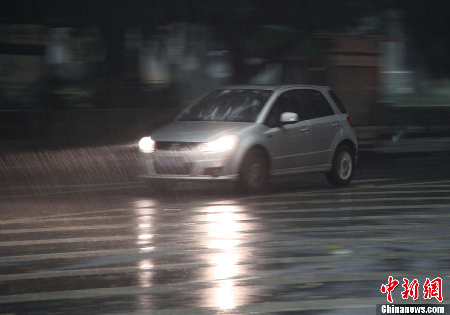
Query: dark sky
427, 22
429, 16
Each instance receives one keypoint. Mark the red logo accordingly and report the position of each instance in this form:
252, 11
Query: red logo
411, 289
433, 289
389, 287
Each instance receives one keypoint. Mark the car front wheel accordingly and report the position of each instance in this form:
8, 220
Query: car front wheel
253, 173
343, 167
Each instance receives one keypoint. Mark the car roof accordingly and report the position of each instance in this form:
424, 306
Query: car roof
270, 87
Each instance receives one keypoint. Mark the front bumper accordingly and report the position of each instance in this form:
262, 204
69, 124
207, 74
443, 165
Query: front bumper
226, 178
189, 165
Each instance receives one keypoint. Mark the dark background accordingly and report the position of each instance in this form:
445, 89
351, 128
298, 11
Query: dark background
113, 105
425, 21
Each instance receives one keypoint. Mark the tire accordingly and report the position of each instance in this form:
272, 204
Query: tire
343, 167
253, 174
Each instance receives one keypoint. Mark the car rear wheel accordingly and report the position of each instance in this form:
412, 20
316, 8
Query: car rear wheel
343, 167
253, 175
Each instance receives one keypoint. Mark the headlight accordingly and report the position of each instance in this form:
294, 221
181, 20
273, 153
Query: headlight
221, 144
147, 145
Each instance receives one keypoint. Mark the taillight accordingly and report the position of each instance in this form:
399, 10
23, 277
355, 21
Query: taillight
350, 121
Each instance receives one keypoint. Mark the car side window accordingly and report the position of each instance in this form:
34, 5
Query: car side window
292, 101
284, 102
281, 105
273, 118
301, 106
306, 103
317, 104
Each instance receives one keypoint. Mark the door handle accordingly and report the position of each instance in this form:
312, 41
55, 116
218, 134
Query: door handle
335, 125
304, 130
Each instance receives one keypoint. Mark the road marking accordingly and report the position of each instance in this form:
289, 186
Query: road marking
69, 240
143, 255
204, 208
43, 187
251, 238
352, 304
205, 221
243, 280
349, 200
139, 290
373, 180
69, 228
350, 189
70, 191
248, 242
65, 216
390, 192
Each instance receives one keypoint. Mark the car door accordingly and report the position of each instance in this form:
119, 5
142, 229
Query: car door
275, 136
290, 145
325, 125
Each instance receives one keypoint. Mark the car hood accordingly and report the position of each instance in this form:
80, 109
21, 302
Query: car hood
198, 131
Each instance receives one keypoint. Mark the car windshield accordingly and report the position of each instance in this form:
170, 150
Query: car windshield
228, 105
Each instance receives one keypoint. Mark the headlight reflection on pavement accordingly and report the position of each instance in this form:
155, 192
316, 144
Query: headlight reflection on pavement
224, 227
144, 239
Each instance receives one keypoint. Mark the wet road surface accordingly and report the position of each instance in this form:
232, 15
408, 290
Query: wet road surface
81, 235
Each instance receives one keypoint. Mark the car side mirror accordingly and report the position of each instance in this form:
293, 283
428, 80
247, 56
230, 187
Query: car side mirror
288, 118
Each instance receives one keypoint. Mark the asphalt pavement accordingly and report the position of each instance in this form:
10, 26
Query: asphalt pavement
81, 234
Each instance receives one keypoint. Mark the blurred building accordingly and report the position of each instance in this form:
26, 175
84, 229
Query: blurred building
22, 83
186, 55
22, 65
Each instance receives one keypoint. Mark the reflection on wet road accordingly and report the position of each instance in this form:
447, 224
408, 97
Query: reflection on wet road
301, 247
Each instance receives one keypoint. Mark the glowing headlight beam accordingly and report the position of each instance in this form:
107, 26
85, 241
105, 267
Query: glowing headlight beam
147, 145
221, 144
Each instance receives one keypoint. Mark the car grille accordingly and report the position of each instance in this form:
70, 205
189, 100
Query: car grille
184, 169
175, 146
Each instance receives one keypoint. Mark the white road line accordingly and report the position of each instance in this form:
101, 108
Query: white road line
368, 304
205, 220
69, 255
373, 180
247, 243
66, 219
65, 216
138, 290
204, 209
70, 191
348, 200
365, 228
69, 228
69, 240
45, 187
350, 189
242, 280
424, 183
387, 192
117, 252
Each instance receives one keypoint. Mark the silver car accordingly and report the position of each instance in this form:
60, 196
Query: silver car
246, 134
